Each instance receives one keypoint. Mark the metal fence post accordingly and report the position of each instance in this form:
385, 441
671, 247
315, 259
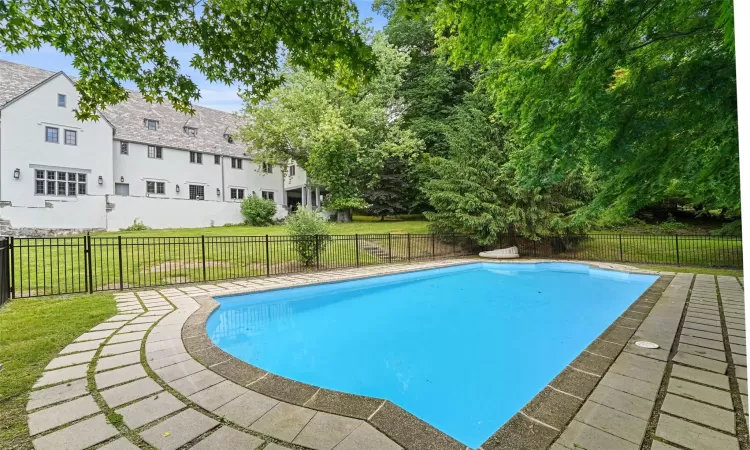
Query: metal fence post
119, 256
317, 252
621, 247
356, 246
90, 266
203, 255
12, 276
408, 246
268, 260
390, 253
677, 247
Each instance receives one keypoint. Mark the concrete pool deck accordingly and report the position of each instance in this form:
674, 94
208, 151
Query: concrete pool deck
150, 377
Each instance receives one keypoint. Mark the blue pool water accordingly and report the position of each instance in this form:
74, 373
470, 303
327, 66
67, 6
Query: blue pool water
463, 348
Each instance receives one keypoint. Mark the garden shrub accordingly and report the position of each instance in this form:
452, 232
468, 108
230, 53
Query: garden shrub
257, 211
137, 226
311, 234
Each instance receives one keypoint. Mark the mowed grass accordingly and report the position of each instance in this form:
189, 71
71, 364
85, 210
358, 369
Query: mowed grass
360, 225
32, 333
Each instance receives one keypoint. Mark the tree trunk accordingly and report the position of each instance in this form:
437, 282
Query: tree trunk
344, 215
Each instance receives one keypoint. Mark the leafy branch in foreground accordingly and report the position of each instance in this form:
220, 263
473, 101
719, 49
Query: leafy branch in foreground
236, 42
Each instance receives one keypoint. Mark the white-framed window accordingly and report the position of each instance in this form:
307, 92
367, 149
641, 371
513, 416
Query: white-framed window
217, 159
196, 191
52, 134
237, 163
154, 152
124, 148
52, 182
267, 195
61, 100
191, 131
155, 187
71, 137
292, 170
267, 168
151, 124
236, 194
196, 158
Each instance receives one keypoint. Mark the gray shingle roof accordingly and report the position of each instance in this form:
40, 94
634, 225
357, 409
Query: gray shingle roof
128, 117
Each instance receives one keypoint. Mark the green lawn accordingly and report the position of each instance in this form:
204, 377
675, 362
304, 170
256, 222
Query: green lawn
32, 332
360, 225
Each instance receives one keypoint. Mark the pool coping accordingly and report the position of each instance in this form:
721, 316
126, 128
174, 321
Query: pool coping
521, 431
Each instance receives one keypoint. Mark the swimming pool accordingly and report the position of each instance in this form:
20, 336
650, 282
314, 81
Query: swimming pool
463, 348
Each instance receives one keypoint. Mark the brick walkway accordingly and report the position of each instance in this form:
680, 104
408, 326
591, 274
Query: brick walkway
130, 383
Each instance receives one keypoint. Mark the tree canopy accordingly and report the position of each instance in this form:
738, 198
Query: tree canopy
238, 41
340, 136
638, 94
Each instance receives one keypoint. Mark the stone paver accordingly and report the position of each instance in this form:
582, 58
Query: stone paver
198, 381
178, 430
365, 437
124, 359
247, 408
70, 360
699, 412
701, 376
125, 347
82, 346
325, 431
121, 375
581, 435
703, 393
617, 423
169, 360
622, 401
120, 444
218, 395
54, 416
128, 392
228, 438
693, 436
60, 375
94, 335
700, 362
149, 409
283, 421
179, 370
55, 394
77, 436
127, 337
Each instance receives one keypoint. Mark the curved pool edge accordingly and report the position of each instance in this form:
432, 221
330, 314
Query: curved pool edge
410, 432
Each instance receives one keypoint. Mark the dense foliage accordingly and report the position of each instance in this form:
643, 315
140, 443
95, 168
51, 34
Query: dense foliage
311, 234
640, 95
340, 136
258, 211
237, 41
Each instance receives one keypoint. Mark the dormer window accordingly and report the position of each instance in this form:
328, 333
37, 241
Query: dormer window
229, 138
192, 132
151, 124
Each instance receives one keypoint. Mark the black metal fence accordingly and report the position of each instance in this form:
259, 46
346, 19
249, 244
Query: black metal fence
5, 275
685, 250
68, 265
31, 267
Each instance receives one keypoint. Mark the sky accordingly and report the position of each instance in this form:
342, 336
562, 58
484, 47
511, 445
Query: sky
213, 95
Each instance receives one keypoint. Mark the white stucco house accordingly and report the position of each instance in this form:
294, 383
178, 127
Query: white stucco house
141, 162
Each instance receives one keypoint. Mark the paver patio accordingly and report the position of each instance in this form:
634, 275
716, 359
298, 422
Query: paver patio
690, 393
